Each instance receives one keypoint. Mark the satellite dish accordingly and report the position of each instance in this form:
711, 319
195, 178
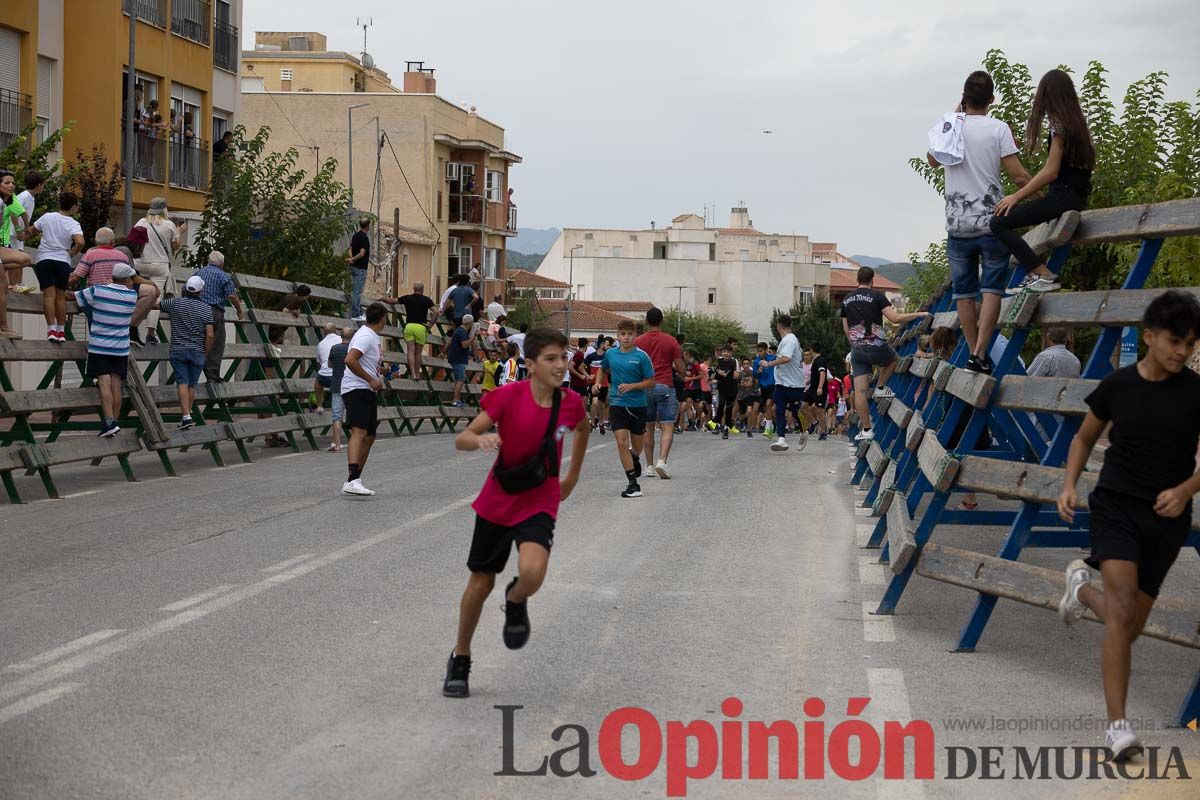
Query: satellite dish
367, 61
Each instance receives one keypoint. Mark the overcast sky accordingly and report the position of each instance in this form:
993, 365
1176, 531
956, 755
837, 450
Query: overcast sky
627, 112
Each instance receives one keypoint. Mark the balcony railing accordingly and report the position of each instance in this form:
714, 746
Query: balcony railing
190, 161
149, 154
151, 11
225, 46
466, 209
190, 19
512, 218
16, 113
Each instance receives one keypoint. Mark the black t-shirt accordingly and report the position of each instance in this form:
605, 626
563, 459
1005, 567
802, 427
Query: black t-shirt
1156, 426
863, 310
818, 365
219, 149
416, 308
360, 241
1077, 179
727, 382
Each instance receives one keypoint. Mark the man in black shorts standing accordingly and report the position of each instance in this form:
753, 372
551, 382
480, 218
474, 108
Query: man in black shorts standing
1141, 508
814, 396
359, 385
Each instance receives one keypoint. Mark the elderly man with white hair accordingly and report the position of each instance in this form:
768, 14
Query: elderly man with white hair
218, 287
97, 264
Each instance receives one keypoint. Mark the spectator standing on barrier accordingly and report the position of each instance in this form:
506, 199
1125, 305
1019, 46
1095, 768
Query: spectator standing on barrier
358, 261
417, 324
520, 498
519, 338
110, 311
292, 303
1141, 508
324, 379
96, 265
163, 240
13, 222
35, 184
973, 188
863, 312
360, 383
218, 288
661, 405
191, 337
458, 302
1070, 159
337, 366
458, 353
62, 238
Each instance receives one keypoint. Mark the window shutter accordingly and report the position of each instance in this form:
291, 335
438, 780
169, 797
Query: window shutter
10, 60
45, 87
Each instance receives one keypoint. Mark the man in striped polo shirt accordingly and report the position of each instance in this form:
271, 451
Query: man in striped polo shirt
97, 264
218, 287
109, 310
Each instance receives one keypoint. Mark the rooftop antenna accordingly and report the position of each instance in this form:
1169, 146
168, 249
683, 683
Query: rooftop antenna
364, 23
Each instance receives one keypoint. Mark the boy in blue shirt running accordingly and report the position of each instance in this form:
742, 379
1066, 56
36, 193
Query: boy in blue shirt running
631, 375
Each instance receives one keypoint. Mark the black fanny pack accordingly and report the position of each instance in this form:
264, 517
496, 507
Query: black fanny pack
534, 472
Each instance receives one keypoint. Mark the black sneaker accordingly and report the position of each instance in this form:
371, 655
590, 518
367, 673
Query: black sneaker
151, 337
637, 467
602, 427
516, 621
109, 430
135, 335
458, 670
822, 437
632, 490
725, 433
974, 365
186, 423
987, 365
749, 434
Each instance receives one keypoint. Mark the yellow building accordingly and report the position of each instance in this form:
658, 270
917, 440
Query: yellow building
65, 62
298, 62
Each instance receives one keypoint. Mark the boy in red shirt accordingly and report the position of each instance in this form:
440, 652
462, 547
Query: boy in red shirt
521, 411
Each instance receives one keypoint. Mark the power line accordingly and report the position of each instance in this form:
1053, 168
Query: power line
437, 234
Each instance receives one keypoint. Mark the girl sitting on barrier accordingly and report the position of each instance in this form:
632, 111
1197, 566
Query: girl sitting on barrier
1067, 173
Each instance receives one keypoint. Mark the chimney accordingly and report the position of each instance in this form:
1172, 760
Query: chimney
739, 217
418, 79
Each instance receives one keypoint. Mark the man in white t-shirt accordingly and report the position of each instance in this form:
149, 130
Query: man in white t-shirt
789, 379
359, 387
325, 372
973, 187
62, 239
495, 309
519, 338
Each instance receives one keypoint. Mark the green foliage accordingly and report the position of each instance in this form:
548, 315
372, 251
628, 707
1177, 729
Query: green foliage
932, 272
526, 311
704, 332
1148, 153
271, 218
818, 321
14, 159
97, 186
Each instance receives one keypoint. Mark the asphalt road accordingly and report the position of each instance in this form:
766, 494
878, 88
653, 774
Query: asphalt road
249, 633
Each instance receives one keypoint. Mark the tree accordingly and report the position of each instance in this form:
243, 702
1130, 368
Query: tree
931, 273
268, 217
817, 321
97, 186
703, 332
526, 311
14, 159
1149, 154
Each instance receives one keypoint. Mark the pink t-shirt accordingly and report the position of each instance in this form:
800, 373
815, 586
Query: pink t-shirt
521, 423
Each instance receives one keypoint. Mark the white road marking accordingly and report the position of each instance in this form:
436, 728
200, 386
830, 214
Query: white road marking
285, 564
859, 511
870, 571
197, 599
42, 659
889, 702
80, 494
876, 628
862, 533
72, 665
35, 701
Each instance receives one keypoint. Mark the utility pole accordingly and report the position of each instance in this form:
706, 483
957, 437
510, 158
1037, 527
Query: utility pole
130, 108
571, 289
679, 308
378, 192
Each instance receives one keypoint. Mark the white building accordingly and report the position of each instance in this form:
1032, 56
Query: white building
737, 272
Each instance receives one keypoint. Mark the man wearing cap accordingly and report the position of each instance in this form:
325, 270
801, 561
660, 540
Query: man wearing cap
218, 287
191, 337
110, 310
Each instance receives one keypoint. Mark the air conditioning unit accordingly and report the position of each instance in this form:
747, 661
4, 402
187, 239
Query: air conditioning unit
452, 170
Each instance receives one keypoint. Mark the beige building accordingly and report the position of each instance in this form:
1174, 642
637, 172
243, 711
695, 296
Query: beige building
737, 272
459, 212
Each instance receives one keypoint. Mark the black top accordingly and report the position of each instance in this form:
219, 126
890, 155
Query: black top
219, 149
337, 363
726, 377
416, 308
863, 310
814, 376
1077, 179
360, 241
1156, 426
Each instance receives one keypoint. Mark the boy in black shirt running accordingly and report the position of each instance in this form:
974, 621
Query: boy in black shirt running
1141, 508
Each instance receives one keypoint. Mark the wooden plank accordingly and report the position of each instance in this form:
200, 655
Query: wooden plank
283, 319
1118, 307
902, 545
887, 491
1032, 482
939, 468
20, 303
238, 390
924, 367
1052, 234
942, 376
883, 404
1149, 221
201, 434
421, 412
326, 293
877, 460
903, 364
1018, 310
899, 413
974, 388
1172, 620
451, 412
258, 427
946, 319
30, 350
34, 400
84, 448
1051, 395
405, 386
914, 432
262, 284
151, 421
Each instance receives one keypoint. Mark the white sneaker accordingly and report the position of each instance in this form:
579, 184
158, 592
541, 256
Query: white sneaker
1070, 609
661, 469
356, 487
1121, 741
779, 445
865, 436
884, 393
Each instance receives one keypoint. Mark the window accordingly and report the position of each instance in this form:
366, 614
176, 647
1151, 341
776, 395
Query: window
404, 268
495, 186
220, 124
190, 19
297, 43
712, 295
467, 171
452, 170
491, 263
286, 74
712, 251
605, 251
804, 294
660, 249
45, 96
465, 254
744, 255
439, 205
616, 251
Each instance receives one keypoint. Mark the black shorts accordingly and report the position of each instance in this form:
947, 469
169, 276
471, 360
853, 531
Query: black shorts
624, 418
680, 392
601, 394
326, 381
491, 543
1126, 528
815, 400
362, 410
52, 274
697, 395
767, 393
99, 364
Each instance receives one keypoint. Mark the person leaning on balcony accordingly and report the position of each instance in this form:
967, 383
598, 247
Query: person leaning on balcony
163, 240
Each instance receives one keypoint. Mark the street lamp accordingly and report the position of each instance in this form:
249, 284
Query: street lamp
679, 311
571, 288
350, 147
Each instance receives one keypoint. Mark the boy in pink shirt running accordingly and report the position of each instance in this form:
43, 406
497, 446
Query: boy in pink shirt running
520, 504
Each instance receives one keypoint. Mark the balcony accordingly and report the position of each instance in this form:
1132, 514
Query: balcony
190, 19
512, 218
466, 209
151, 11
16, 114
190, 161
149, 155
225, 46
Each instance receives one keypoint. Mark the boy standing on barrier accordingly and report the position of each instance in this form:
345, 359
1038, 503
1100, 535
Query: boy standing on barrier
520, 497
1141, 508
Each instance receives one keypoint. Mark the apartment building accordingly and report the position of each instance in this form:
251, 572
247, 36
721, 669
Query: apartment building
736, 271
445, 167
65, 62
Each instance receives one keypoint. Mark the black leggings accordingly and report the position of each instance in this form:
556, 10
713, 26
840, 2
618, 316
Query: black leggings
1033, 212
725, 407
